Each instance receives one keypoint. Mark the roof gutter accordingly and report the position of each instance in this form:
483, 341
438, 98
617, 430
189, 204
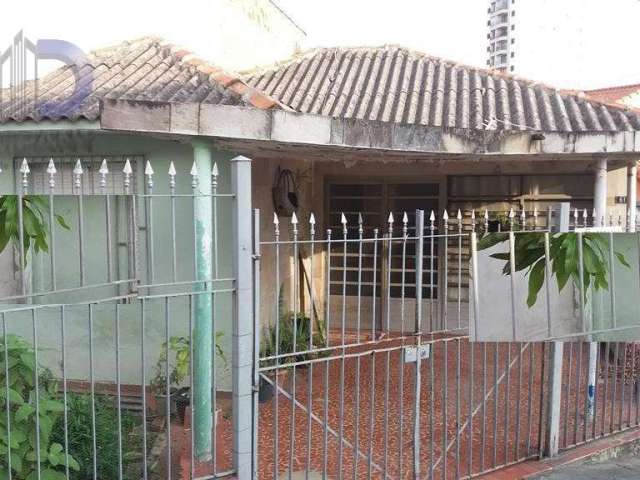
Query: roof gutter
232, 122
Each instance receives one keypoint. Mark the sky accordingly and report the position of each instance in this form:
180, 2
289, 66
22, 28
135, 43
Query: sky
454, 29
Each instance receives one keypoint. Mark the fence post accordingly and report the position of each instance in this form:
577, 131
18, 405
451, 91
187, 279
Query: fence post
418, 333
243, 326
555, 368
256, 338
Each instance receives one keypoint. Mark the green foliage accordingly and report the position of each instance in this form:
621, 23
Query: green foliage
181, 348
18, 440
290, 327
79, 434
35, 228
563, 256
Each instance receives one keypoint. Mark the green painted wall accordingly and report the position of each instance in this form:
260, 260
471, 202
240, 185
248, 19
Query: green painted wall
160, 153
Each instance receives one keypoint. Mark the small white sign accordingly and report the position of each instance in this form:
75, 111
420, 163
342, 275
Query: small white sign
411, 353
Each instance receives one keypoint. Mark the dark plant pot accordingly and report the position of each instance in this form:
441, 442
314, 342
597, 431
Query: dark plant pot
182, 399
267, 390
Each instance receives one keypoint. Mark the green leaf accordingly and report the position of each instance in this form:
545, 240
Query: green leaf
61, 221
24, 412
536, 279
621, 259
50, 474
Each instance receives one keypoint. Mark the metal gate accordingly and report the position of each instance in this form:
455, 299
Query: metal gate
342, 394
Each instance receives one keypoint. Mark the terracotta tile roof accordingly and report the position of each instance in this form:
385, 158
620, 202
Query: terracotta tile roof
144, 69
613, 94
398, 85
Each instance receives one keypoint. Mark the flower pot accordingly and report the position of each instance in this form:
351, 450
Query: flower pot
268, 389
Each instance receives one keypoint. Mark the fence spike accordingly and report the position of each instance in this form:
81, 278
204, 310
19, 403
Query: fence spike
312, 223
360, 223
127, 170
77, 169
473, 214
294, 219
214, 170
276, 225
172, 169
390, 218
445, 216
103, 171
575, 213
194, 170
148, 169
51, 167
405, 222
512, 213
459, 216
24, 167
432, 217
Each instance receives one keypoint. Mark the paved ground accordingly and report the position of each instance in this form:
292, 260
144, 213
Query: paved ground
625, 466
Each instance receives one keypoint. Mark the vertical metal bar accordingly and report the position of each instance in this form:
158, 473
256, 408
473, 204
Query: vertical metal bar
356, 432
518, 400
495, 405
193, 407
36, 383
568, 395
374, 299
530, 397
445, 273
471, 378
512, 278
325, 443
65, 414
547, 280
276, 415
372, 401
167, 379
432, 391
119, 392
172, 210
256, 352
400, 352
576, 409
294, 301
445, 404
457, 467
243, 325
81, 238
21, 249
6, 391
388, 354
143, 314
607, 349
312, 317
345, 234
417, 331
109, 240
622, 382
359, 294
475, 283
459, 270
149, 217
93, 394
483, 432
432, 232
52, 240
506, 403
615, 387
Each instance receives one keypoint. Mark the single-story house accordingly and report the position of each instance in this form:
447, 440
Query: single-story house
359, 131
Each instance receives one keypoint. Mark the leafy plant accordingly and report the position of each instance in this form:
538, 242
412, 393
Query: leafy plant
80, 436
563, 256
181, 348
18, 440
281, 340
34, 226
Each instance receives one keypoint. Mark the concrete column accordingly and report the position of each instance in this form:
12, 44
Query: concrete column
600, 207
242, 365
202, 348
632, 196
600, 193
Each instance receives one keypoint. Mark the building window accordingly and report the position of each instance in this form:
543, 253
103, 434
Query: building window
513, 68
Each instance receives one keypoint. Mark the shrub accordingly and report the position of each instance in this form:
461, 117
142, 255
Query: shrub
79, 434
18, 440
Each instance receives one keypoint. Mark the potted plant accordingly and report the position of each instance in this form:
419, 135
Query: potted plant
180, 394
281, 341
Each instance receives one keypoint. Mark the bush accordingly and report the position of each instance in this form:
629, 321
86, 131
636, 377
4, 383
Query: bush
79, 433
18, 440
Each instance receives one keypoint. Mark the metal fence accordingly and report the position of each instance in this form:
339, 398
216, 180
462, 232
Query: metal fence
116, 345
138, 314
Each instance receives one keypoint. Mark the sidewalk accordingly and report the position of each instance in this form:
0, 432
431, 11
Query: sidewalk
624, 466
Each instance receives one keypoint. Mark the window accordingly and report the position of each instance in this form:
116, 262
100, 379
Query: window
374, 201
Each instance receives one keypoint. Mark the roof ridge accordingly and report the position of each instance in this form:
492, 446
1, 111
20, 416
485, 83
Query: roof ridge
615, 87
